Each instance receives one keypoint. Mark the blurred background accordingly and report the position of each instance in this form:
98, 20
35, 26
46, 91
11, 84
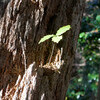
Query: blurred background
86, 83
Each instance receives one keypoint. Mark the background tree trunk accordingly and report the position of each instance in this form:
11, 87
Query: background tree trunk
99, 2
24, 23
98, 92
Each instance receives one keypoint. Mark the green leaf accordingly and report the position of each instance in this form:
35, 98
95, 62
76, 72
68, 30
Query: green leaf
56, 39
80, 79
45, 38
63, 30
98, 18
82, 35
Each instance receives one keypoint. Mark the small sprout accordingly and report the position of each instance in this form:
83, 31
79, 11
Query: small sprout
55, 38
58, 37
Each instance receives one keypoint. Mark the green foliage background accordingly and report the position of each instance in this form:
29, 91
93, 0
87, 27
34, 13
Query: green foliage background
84, 86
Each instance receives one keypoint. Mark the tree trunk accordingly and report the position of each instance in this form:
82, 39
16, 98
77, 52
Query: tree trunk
3, 4
99, 3
24, 23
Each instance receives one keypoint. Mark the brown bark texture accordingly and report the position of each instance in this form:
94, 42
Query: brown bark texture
24, 70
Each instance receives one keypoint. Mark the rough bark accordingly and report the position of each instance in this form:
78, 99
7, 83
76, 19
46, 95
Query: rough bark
23, 24
3, 5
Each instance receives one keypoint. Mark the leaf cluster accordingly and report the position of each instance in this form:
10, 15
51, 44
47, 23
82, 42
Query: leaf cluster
56, 37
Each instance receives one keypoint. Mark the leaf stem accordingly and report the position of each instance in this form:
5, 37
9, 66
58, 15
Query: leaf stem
52, 53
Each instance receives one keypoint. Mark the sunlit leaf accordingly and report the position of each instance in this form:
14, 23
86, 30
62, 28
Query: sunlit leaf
56, 39
82, 35
63, 30
80, 79
45, 38
66, 98
98, 18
